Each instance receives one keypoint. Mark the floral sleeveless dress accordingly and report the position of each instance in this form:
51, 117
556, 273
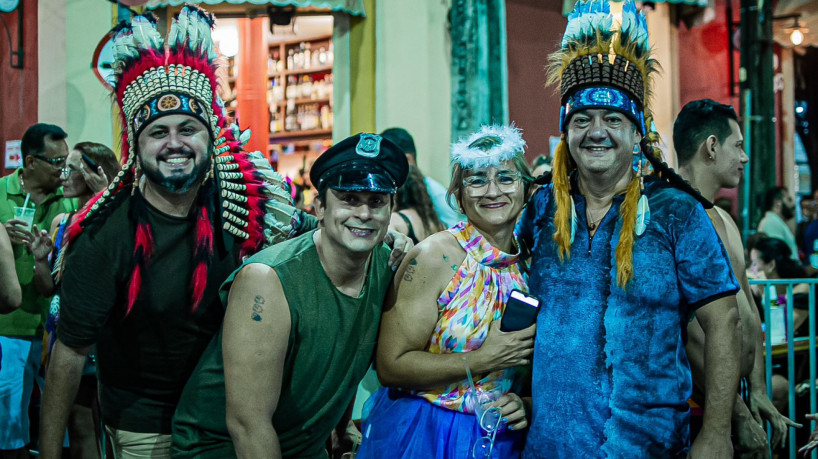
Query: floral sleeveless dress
440, 423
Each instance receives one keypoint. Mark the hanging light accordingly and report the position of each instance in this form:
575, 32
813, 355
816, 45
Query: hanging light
797, 37
797, 33
228, 39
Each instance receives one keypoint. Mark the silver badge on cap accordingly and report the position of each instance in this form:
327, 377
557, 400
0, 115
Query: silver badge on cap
369, 145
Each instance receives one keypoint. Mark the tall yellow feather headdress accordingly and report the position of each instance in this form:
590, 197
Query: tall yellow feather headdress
600, 67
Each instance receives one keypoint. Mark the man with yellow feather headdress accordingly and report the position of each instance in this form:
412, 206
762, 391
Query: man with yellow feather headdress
621, 261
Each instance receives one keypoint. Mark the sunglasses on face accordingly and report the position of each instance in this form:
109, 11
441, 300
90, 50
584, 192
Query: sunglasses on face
53, 162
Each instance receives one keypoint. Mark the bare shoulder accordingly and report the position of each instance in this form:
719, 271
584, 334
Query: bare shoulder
55, 223
256, 294
441, 249
253, 273
434, 259
5, 243
730, 234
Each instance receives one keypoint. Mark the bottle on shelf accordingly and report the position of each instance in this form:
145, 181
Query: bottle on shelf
326, 117
307, 55
273, 64
291, 59
322, 56
306, 87
291, 88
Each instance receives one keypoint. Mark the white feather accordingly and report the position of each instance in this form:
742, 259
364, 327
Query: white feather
511, 145
145, 33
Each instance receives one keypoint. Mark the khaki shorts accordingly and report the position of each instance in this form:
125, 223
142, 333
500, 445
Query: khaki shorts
133, 445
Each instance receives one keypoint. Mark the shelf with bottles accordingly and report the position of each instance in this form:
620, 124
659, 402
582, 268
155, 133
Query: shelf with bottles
300, 90
227, 86
301, 56
305, 133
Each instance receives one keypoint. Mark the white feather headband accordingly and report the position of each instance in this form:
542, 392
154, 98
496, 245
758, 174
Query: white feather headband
489, 146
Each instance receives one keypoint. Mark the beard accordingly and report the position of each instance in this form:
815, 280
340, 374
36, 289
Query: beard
787, 212
177, 183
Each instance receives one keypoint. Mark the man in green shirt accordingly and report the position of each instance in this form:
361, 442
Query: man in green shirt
301, 321
37, 185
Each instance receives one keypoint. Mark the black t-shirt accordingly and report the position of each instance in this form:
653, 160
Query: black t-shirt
144, 358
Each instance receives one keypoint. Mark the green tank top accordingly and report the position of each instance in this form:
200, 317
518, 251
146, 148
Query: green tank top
331, 345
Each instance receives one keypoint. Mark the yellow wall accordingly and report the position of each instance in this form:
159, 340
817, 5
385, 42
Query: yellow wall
69, 93
665, 103
413, 78
362, 70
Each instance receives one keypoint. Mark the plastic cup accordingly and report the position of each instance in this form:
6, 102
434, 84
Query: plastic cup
25, 214
488, 415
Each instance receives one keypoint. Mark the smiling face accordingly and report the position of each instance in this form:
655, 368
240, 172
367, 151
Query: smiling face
73, 184
354, 220
174, 152
730, 158
492, 197
602, 141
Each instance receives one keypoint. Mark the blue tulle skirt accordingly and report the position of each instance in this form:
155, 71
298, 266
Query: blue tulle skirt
402, 426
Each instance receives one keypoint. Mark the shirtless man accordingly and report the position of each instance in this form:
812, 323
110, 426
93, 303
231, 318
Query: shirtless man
709, 146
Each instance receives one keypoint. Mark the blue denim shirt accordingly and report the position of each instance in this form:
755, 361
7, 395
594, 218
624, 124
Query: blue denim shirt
611, 377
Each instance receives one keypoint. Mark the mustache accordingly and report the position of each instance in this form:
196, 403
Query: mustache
589, 144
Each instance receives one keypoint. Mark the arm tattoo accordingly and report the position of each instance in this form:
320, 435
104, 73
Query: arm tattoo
257, 308
410, 270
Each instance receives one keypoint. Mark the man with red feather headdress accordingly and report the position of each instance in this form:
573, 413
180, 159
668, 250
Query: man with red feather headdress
146, 257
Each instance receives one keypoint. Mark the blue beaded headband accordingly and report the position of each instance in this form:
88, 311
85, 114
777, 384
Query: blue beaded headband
604, 97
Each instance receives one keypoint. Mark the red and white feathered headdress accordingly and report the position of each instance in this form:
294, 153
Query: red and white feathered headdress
242, 195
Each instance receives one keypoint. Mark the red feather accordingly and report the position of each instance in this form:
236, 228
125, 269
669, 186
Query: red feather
144, 241
134, 286
198, 284
203, 252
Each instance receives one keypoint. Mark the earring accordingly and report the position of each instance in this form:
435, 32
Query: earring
642, 207
573, 218
135, 183
636, 149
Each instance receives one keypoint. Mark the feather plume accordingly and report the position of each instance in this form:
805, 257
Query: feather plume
125, 47
244, 137
561, 188
145, 34
627, 234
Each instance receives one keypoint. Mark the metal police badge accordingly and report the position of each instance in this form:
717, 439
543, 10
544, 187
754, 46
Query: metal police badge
369, 145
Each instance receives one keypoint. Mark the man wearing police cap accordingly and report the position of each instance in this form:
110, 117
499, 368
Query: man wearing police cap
301, 320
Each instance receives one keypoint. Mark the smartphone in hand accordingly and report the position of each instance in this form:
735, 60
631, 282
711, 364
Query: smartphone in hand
90, 162
521, 311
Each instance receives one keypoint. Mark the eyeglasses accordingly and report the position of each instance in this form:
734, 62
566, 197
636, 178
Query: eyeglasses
477, 185
66, 171
489, 419
53, 162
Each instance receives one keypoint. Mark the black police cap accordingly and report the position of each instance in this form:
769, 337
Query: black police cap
363, 162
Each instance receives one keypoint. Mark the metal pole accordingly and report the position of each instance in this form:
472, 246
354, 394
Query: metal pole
748, 150
756, 75
790, 369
